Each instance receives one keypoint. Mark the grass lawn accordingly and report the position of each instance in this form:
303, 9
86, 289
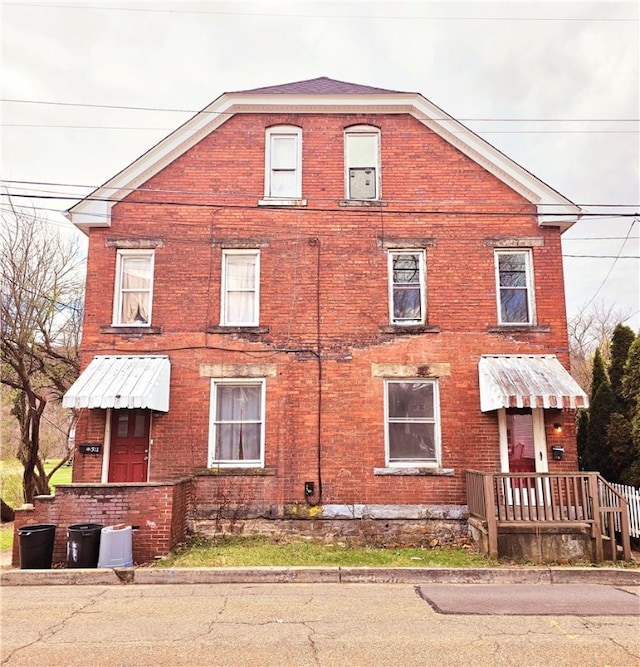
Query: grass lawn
11, 485
260, 551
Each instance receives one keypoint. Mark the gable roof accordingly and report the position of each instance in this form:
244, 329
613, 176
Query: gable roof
320, 86
323, 95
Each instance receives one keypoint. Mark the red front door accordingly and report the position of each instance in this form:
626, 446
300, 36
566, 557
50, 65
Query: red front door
129, 447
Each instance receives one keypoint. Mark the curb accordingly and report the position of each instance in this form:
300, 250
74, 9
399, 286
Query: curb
320, 575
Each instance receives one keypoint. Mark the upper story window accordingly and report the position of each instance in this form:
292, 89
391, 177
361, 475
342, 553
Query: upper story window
236, 427
407, 287
240, 288
412, 423
134, 288
362, 162
514, 286
283, 163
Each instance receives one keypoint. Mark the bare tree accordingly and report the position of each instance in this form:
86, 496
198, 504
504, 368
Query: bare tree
41, 315
589, 330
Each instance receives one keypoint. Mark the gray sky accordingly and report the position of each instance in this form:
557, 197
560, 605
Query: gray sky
543, 82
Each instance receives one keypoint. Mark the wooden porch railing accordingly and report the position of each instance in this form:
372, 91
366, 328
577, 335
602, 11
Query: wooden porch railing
500, 498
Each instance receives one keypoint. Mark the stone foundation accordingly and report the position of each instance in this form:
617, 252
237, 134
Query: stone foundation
352, 524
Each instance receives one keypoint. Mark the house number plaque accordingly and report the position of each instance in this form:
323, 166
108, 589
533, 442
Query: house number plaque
89, 448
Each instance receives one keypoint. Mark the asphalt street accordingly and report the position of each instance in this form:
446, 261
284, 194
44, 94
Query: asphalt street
319, 624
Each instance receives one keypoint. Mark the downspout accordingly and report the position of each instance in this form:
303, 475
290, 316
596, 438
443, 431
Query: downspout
315, 243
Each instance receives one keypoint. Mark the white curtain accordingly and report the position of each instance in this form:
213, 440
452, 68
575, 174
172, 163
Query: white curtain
241, 285
238, 422
136, 288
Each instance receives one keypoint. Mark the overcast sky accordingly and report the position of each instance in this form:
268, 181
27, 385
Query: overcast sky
554, 85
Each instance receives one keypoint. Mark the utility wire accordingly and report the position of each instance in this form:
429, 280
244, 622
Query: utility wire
22, 185
219, 113
330, 16
615, 260
168, 129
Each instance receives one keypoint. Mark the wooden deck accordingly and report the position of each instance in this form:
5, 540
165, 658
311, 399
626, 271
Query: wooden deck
553, 501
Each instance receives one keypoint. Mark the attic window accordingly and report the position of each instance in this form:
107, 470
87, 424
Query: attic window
362, 162
283, 163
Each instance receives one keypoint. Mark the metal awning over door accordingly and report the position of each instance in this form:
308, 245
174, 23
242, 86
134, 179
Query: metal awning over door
527, 381
122, 382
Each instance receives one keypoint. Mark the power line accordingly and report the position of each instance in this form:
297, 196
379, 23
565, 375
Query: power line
169, 129
22, 185
331, 16
365, 211
615, 260
219, 113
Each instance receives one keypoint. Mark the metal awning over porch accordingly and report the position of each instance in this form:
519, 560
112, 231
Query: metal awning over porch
527, 381
122, 382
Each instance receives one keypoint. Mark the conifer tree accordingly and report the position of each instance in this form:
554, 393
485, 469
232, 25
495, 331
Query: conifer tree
621, 341
582, 432
631, 393
596, 455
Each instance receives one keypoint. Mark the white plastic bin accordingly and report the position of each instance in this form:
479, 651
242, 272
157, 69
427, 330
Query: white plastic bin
115, 547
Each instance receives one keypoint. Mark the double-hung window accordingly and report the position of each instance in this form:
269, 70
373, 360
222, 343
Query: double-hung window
362, 162
412, 423
514, 286
134, 288
283, 163
240, 288
407, 287
236, 427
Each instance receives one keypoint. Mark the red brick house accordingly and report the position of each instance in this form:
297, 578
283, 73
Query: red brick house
323, 301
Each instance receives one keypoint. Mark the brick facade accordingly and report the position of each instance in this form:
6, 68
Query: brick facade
324, 316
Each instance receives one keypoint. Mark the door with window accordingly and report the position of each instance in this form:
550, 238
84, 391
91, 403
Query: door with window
129, 445
523, 449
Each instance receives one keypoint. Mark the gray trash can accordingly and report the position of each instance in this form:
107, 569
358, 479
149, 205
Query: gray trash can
83, 545
36, 546
116, 546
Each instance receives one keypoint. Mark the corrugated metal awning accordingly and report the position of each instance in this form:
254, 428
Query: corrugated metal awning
122, 382
527, 381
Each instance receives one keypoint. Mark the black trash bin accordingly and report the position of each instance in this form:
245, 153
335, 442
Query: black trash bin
36, 546
83, 545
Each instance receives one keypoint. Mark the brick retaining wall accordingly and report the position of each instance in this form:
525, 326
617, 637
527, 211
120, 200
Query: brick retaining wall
157, 512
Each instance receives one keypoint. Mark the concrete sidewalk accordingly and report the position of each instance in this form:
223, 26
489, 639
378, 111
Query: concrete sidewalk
381, 575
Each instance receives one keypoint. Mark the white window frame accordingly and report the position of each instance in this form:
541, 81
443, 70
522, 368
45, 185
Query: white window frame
121, 256
273, 133
360, 131
528, 287
422, 284
224, 299
435, 420
212, 462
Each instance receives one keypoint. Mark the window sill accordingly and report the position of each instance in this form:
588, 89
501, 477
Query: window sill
130, 331
282, 202
362, 202
237, 330
519, 328
416, 472
409, 329
234, 472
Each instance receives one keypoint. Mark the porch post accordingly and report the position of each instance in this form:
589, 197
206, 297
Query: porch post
490, 512
594, 496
